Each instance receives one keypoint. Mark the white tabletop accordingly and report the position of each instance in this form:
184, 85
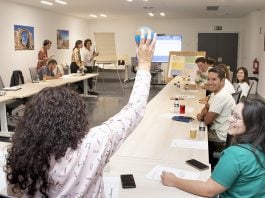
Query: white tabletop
150, 145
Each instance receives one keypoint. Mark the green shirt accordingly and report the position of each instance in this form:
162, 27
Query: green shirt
239, 172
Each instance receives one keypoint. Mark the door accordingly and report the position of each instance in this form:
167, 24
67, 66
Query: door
222, 47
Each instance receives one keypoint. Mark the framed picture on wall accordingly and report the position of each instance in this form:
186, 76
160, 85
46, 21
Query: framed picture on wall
24, 37
62, 39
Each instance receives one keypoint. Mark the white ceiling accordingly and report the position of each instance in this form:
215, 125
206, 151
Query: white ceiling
172, 8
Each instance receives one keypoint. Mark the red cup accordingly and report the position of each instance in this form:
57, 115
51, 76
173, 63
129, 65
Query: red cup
182, 109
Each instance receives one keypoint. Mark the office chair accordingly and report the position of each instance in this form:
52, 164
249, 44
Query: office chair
250, 87
237, 96
33, 73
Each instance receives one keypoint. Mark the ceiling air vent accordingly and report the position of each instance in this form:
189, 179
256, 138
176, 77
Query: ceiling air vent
212, 8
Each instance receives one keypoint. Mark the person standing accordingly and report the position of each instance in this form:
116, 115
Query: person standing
76, 61
88, 56
43, 57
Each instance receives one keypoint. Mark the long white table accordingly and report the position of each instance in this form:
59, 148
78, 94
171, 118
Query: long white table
150, 145
29, 89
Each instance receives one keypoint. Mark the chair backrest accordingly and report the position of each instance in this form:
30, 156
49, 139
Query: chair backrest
134, 64
250, 87
17, 78
33, 73
236, 96
2, 85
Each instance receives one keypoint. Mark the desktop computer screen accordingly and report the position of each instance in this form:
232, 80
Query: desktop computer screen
165, 44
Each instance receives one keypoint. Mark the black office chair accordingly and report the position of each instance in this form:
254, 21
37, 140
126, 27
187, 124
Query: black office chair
237, 96
216, 148
250, 87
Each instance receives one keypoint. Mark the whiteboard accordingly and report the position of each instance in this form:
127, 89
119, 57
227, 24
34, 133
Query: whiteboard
105, 46
183, 63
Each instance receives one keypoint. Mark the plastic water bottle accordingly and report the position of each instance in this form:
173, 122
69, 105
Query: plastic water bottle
37, 78
176, 105
178, 84
202, 129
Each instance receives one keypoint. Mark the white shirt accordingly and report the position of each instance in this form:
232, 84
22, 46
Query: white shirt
79, 172
244, 87
221, 103
87, 56
229, 87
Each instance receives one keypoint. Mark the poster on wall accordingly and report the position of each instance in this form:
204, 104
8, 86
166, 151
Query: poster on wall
62, 39
24, 37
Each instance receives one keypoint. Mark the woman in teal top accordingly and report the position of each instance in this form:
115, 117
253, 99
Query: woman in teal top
240, 171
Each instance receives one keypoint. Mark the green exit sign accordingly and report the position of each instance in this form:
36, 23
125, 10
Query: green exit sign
219, 27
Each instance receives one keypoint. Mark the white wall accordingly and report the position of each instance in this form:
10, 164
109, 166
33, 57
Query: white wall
253, 46
189, 28
45, 25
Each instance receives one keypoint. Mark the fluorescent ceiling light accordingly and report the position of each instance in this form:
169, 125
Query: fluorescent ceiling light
146, 0
103, 15
130, 0
61, 2
47, 3
94, 16
162, 14
151, 14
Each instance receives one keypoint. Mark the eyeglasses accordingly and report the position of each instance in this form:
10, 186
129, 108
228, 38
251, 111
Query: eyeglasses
235, 116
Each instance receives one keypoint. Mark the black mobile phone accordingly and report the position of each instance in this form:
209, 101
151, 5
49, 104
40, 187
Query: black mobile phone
196, 164
127, 181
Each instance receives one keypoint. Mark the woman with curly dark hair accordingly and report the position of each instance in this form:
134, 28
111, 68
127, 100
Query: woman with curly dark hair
55, 154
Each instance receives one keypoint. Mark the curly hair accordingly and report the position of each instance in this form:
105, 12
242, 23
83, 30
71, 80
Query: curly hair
54, 121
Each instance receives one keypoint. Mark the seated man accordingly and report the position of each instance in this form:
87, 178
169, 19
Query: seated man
202, 73
217, 111
48, 71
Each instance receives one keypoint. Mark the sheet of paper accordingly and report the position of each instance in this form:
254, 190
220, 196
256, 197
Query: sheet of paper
194, 144
192, 91
183, 96
111, 186
2, 173
156, 172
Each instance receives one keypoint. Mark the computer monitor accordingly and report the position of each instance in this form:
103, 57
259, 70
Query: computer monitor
165, 44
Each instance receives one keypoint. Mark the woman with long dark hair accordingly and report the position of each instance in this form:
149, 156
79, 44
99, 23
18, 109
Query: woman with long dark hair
242, 81
240, 171
76, 61
55, 154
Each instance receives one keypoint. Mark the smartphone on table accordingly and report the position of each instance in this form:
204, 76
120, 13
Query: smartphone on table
127, 181
196, 164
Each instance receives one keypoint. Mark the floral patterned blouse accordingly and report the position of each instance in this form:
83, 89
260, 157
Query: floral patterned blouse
43, 54
79, 172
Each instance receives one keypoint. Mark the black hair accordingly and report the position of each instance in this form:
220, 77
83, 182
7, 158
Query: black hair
78, 42
200, 59
54, 121
226, 70
245, 74
52, 61
254, 120
86, 41
46, 42
210, 61
220, 72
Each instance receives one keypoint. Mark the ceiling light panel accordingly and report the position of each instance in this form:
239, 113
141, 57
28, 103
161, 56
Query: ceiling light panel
46, 3
61, 2
93, 15
103, 15
151, 14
